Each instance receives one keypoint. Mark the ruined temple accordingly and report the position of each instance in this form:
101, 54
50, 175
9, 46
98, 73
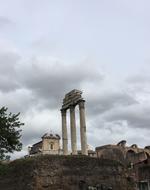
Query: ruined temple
71, 100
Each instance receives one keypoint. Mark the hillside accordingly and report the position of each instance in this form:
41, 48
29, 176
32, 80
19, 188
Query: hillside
63, 173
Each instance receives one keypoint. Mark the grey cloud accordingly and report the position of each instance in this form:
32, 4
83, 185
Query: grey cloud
138, 79
47, 78
108, 101
111, 132
44, 45
32, 136
137, 116
111, 108
39, 122
4, 21
20, 100
50, 79
7, 83
8, 76
8, 59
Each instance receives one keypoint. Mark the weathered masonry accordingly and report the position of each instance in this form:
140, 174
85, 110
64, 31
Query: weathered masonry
71, 100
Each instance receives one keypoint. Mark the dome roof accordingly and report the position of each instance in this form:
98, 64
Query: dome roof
51, 136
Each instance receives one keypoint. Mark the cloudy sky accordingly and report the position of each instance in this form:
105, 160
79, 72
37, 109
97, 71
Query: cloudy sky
101, 47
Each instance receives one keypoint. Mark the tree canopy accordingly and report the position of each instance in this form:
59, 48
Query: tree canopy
9, 133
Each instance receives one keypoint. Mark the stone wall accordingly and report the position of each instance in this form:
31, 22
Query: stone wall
64, 173
143, 174
123, 154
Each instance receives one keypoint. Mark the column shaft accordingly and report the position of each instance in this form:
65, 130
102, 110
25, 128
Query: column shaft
64, 133
83, 128
73, 130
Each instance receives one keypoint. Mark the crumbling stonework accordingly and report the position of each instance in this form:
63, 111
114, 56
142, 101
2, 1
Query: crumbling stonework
65, 173
121, 152
141, 174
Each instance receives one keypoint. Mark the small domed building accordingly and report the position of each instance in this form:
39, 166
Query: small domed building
50, 144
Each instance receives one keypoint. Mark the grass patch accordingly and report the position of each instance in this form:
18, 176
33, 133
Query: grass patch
4, 169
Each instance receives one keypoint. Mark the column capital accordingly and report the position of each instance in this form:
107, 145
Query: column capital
72, 107
63, 112
82, 104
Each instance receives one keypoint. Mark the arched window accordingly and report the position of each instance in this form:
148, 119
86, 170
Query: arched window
131, 156
51, 146
130, 153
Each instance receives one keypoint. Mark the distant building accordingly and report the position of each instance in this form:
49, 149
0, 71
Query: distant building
50, 144
129, 154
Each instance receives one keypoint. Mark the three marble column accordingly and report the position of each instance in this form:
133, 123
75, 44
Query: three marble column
73, 129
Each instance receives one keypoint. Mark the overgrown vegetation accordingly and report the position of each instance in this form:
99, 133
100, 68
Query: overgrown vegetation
4, 168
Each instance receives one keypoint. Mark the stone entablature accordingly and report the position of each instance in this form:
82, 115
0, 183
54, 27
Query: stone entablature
72, 98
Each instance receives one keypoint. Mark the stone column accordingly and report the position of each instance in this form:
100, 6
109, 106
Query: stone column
83, 128
73, 130
64, 132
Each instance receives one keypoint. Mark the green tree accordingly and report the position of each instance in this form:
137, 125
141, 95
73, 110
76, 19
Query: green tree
9, 133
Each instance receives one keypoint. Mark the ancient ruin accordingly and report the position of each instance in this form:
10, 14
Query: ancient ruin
136, 160
125, 154
71, 100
